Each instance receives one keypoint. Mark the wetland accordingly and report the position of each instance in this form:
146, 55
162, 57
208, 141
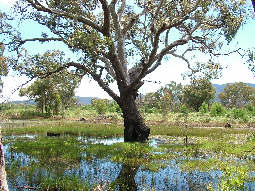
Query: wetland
83, 156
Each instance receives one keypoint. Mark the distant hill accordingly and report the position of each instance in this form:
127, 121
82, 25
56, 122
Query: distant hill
80, 100
26, 102
84, 100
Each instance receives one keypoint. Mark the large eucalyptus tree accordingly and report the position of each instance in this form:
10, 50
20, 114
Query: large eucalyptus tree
123, 41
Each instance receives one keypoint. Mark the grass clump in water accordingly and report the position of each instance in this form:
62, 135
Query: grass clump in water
65, 183
132, 154
58, 152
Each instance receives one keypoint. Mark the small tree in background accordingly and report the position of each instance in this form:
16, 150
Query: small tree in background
198, 92
100, 105
150, 102
177, 95
237, 95
164, 99
52, 92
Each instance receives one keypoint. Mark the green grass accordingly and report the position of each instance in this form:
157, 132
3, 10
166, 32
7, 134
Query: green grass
73, 128
50, 151
194, 119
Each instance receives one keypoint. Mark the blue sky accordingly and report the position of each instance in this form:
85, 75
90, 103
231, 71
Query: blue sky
236, 71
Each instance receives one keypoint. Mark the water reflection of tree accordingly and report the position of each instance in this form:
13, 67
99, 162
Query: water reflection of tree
126, 178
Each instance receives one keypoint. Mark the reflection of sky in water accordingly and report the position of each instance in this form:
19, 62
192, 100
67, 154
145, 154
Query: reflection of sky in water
108, 141
104, 171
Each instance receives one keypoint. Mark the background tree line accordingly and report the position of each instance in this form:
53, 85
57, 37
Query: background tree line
198, 95
57, 92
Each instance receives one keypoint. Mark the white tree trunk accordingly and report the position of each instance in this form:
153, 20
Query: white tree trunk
3, 177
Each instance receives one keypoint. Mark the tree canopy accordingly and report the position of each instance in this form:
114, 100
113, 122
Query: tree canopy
237, 95
115, 37
50, 91
124, 41
199, 91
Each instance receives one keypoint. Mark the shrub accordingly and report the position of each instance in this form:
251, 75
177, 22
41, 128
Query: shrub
203, 108
217, 110
100, 105
114, 107
250, 109
184, 110
240, 114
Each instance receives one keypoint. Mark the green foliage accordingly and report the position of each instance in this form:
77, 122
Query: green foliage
184, 110
165, 99
53, 156
217, 110
53, 91
114, 107
240, 114
171, 96
250, 109
150, 103
203, 108
19, 111
3, 66
198, 92
233, 177
63, 151
250, 59
237, 95
100, 105
57, 104
151, 110
127, 153
65, 183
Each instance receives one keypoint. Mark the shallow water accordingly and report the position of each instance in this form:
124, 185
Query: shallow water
105, 171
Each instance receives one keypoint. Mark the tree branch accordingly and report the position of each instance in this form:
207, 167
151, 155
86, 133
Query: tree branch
40, 40
40, 7
165, 51
106, 26
109, 68
120, 53
97, 78
131, 23
253, 4
121, 9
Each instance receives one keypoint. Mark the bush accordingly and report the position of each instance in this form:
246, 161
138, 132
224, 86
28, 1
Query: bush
240, 114
184, 110
217, 110
203, 108
151, 110
114, 107
100, 105
250, 109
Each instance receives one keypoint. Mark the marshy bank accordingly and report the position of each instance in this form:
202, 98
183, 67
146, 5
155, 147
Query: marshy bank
85, 156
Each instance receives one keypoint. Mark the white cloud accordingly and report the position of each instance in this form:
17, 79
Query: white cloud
7, 2
11, 86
